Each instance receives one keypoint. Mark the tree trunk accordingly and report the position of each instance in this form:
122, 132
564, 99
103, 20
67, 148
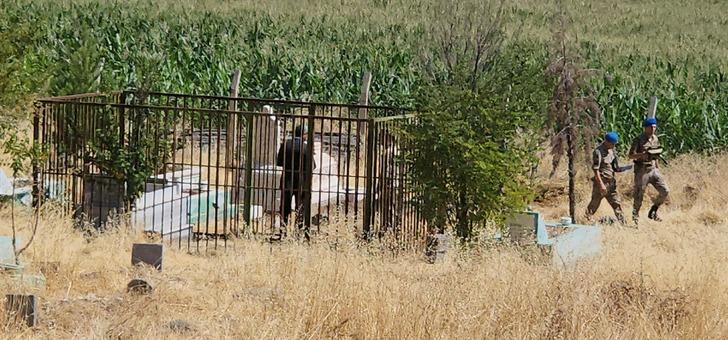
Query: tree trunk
572, 172
463, 223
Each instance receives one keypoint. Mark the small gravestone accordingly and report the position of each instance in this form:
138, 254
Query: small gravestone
150, 254
22, 308
267, 134
7, 254
179, 326
437, 247
139, 286
522, 228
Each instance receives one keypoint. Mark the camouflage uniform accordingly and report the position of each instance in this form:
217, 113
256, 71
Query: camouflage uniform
605, 161
646, 172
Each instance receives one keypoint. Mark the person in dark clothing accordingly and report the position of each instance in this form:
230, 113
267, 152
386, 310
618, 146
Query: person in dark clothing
293, 157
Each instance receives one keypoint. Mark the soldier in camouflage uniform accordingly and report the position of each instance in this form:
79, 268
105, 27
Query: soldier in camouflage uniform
605, 164
646, 170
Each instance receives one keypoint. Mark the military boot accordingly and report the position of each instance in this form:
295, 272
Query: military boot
653, 214
635, 217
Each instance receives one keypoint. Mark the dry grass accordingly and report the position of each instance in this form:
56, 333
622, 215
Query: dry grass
663, 280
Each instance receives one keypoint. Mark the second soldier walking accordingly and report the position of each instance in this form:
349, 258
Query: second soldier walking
605, 165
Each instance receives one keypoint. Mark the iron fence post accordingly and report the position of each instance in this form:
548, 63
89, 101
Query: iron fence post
128, 203
36, 169
369, 185
248, 170
309, 165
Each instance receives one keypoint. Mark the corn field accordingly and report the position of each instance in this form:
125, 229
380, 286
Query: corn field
319, 50
693, 102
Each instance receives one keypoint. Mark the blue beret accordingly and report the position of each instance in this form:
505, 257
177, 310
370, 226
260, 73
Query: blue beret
611, 137
650, 121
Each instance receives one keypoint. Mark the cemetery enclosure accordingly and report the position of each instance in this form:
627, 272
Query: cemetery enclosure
197, 170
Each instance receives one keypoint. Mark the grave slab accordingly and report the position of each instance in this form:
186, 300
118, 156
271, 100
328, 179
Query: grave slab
30, 280
569, 243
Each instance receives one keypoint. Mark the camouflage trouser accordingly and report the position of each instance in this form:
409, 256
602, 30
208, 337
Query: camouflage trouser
612, 198
643, 177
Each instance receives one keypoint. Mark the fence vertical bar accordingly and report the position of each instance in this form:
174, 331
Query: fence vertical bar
36, 169
248, 169
309, 171
128, 204
368, 192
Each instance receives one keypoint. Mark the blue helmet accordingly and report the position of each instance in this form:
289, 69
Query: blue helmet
611, 137
650, 121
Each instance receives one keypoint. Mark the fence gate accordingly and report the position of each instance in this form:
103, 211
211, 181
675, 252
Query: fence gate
199, 171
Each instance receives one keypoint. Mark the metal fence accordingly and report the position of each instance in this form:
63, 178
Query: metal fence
390, 212
199, 171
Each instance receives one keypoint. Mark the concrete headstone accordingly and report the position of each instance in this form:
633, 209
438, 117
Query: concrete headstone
6, 186
22, 308
266, 138
522, 228
7, 255
437, 247
151, 254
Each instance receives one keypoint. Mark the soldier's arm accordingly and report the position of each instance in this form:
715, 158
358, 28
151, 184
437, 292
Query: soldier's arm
596, 162
633, 154
616, 167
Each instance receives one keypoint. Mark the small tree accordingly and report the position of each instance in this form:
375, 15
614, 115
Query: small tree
128, 144
22, 153
470, 150
469, 159
574, 115
16, 88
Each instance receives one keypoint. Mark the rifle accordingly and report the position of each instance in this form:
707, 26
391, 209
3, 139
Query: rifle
624, 168
656, 153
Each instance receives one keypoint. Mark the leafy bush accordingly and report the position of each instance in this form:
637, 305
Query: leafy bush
472, 149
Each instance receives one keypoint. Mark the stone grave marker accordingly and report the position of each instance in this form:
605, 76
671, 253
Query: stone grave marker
151, 254
179, 326
7, 255
139, 286
22, 308
437, 247
267, 137
522, 228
